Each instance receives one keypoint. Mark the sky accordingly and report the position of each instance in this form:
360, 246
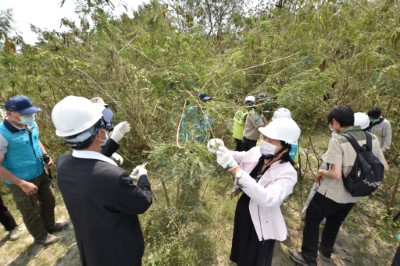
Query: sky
47, 14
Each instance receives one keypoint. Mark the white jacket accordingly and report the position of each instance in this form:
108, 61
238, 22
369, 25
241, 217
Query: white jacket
266, 195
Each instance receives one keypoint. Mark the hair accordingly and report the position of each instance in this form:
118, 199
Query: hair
374, 112
286, 155
344, 115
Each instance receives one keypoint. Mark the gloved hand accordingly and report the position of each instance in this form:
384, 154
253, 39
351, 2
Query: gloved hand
138, 171
225, 158
118, 158
120, 130
213, 144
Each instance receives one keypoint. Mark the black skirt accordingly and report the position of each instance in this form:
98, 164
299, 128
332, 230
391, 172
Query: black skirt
247, 250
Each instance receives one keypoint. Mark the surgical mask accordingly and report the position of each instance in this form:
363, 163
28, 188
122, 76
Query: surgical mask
27, 119
374, 120
267, 148
333, 130
106, 138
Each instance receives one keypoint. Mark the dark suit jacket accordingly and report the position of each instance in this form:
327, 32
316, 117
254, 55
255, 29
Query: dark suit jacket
109, 147
103, 205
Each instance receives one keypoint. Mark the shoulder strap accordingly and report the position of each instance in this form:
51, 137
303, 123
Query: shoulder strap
369, 141
353, 142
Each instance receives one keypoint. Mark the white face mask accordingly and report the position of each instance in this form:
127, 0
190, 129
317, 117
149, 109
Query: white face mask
106, 138
267, 148
27, 120
333, 130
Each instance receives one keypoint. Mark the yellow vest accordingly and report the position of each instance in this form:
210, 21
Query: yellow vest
238, 123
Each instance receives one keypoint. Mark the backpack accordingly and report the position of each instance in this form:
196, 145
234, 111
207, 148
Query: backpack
367, 172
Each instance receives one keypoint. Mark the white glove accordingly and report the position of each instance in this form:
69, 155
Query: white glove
138, 171
213, 144
118, 158
120, 130
225, 158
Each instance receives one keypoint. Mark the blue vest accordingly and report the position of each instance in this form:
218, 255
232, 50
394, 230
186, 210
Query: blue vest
24, 156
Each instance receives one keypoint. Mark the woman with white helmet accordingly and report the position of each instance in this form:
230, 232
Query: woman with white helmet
266, 176
283, 112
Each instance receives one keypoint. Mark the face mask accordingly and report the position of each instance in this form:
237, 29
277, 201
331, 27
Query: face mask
267, 148
333, 130
374, 120
27, 120
105, 139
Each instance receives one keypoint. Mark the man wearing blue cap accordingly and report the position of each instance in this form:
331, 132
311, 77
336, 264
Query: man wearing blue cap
22, 161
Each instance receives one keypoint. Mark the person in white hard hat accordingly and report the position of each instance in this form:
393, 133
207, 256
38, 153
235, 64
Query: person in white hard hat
239, 120
362, 120
102, 199
266, 176
285, 113
281, 113
254, 120
112, 144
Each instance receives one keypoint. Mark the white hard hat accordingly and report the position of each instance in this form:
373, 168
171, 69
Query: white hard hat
73, 115
98, 100
285, 129
250, 99
281, 113
361, 119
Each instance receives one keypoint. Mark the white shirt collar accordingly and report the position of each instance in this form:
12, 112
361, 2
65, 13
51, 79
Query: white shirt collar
84, 154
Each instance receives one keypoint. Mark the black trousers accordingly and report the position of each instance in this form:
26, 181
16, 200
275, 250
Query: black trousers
319, 208
6, 219
396, 259
248, 144
239, 144
246, 249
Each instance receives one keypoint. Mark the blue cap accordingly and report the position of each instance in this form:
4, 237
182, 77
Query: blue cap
204, 97
262, 95
22, 105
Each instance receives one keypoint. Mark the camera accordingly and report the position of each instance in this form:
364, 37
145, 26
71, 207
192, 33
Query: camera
45, 158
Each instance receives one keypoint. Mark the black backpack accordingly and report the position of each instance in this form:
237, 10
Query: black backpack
367, 172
